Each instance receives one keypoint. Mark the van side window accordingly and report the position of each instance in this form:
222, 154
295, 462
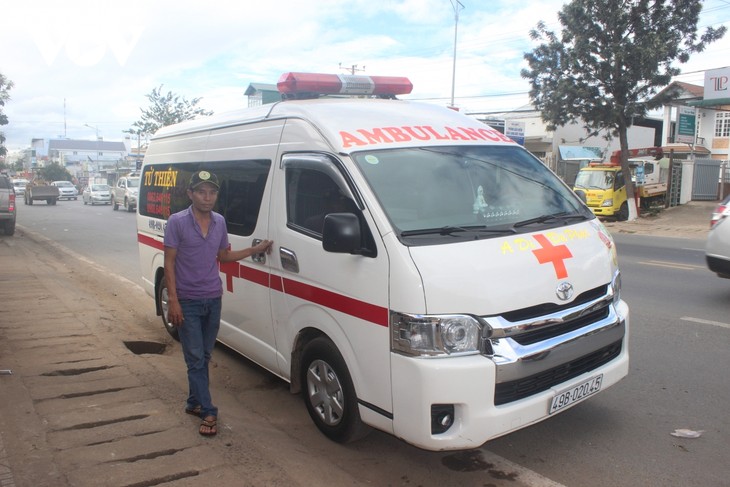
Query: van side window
311, 195
239, 200
164, 190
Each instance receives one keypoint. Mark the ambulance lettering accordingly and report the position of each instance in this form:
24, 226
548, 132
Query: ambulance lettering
390, 135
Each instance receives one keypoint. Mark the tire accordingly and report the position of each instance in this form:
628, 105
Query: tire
29, 200
51, 201
129, 208
162, 297
328, 392
9, 228
623, 212
86, 203
115, 206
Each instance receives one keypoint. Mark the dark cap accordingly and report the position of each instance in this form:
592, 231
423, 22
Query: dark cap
201, 177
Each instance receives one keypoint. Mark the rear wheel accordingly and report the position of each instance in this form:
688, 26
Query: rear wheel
51, 201
163, 298
9, 227
328, 392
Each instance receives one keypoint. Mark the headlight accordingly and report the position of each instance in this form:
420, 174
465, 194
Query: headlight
616, 287
608, 202
434, 335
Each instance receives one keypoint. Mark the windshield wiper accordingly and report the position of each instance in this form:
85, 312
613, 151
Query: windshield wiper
563, 217
451, 229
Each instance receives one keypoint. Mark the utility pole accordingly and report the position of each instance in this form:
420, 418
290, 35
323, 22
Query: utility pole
353, 69
96, 156
457, 5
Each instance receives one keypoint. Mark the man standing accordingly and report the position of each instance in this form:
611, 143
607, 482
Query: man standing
196, 239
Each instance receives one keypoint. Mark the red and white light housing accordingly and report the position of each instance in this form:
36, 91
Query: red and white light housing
309, 85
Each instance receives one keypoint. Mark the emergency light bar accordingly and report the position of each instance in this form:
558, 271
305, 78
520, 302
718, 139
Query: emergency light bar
308, 85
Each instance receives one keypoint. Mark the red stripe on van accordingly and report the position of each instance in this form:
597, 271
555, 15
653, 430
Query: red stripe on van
144, 239
276, 283
350, 306
353, 307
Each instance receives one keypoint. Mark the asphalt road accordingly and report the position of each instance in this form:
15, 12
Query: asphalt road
680, 337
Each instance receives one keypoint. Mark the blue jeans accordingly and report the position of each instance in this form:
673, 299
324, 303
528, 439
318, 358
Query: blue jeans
201, 321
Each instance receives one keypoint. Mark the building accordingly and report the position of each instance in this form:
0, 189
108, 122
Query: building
566, 149
99, 159
262, 94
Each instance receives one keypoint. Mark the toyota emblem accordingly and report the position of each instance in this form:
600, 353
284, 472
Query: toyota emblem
564, 291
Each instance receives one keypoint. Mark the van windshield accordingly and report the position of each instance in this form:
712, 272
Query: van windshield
436, 193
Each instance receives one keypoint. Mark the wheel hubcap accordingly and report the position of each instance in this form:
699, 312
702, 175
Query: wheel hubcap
165, 305
325, 392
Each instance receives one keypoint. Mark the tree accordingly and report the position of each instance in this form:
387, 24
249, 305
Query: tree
5, 86
611, 57
54, 172
166, 110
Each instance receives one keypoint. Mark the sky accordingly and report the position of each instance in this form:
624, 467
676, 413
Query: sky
82, 69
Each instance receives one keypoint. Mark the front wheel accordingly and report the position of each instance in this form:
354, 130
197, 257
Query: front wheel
115, 205
623, 212
328, 392
163, 297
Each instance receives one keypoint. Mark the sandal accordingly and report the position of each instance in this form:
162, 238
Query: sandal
209, 427
194, 411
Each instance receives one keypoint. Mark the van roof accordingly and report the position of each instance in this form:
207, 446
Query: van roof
351, 124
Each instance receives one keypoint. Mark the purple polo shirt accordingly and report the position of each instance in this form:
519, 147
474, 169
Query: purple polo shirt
196, 265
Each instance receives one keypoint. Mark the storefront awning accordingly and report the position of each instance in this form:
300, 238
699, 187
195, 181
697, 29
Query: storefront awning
716, 102
580, 153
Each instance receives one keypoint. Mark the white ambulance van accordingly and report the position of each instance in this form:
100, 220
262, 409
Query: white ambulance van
430, 277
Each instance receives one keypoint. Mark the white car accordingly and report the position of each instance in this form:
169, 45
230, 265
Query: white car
66, 190
97, 193
19, 186
717, 249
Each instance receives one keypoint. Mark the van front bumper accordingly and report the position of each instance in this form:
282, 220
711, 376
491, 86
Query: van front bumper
468, 384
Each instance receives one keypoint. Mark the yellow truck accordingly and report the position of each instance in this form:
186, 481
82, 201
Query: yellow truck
604, 184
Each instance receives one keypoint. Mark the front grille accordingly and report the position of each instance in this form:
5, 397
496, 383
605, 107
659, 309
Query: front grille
519, 389
546, 332
549, 308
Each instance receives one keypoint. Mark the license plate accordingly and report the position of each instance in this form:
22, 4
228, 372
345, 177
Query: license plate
564, 399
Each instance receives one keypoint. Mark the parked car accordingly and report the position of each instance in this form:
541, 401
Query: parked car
125, 193
19, 186
66, 190
7, 205
97, 194
717, 249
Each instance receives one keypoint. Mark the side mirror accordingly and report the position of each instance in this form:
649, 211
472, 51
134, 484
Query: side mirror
582, 195
341, 233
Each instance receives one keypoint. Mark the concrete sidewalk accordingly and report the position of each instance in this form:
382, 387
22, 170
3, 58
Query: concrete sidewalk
691, 220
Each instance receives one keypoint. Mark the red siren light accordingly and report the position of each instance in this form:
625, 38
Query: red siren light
311, 85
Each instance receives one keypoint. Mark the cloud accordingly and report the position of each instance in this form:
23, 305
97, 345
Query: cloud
91, 62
